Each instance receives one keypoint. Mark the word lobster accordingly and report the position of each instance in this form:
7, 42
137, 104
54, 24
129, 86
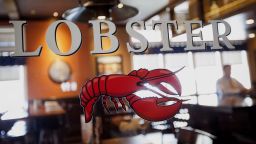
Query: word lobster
122, 87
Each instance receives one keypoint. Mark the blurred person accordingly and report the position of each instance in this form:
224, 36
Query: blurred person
230, 91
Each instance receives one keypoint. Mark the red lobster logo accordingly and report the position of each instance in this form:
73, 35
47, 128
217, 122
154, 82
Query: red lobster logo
120, 87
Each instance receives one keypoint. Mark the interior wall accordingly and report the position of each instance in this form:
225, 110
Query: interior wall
83, 64
39, 83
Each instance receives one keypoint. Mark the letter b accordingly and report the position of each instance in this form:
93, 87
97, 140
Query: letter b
98, 37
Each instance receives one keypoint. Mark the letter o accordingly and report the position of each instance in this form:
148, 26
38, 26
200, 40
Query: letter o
76, 38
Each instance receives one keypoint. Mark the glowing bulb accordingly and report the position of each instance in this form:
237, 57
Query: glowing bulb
251, 35
55, 14
249, 21
120, 5
101, 17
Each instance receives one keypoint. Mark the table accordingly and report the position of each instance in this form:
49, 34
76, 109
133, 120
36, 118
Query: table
46, 120
223, 121
43, 111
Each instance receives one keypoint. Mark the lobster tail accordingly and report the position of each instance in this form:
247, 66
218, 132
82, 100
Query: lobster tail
88, 109
90, 93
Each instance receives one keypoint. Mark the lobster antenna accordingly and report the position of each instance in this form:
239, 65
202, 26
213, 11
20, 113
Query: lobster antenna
162, 76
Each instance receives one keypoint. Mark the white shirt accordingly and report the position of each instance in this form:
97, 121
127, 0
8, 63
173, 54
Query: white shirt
228, 86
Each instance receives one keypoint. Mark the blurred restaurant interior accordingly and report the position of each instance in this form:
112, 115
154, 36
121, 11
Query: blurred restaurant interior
39, 96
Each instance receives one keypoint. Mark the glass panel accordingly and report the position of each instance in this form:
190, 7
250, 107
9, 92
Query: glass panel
174, 62
149, 62
204, 59
13, 95
9, 73
241, 73
207, 71
208, 100
233, 57
190, 99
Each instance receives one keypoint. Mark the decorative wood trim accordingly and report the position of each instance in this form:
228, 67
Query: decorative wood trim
228, 8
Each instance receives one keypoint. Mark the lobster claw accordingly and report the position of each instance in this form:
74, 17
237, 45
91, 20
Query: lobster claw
164, 79
154, 108
151, 108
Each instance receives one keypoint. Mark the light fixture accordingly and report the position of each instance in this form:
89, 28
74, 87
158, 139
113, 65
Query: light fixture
120, 5
55, 14
249, 21
101, 17
251, 35
112, 10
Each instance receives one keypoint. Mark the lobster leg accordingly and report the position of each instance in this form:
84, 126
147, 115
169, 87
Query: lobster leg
115, 103
104, 101
122, 103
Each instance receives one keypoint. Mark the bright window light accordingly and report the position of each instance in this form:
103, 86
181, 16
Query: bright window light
174, 62
208, 100
13, 97
149, 62
207, 72
201, 72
